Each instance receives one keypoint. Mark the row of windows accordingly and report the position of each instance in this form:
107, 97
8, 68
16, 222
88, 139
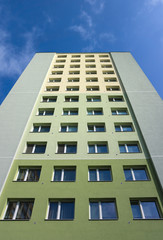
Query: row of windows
71, 148
95, 174
99, 209
91, 60
88, 99
73, 127
94, 79
87, 56
74, 111
76, 88
78, 72
87, 66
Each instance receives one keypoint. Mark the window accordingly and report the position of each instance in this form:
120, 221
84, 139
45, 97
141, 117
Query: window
76, 60
74, 88
60, 61
70, 147
101, 210
67, 174
116, 99
52, 89
54, 79
145, 209
72, 111
91, 72
97, 148
57, 72
91, 79
96, 111
113, 88
99, 174
62, 56
103, 56
129, 148
72, 99
94, 99
104, 60
74, 66
119, 112
38, 128
99, 127
49, 99
58, 66
61, 210
74, 72
124, 128
110, 79
75, 56
92, 88
106, 66
90, 66
71, 127
136, 174
29, 174
73, 79
89, 56
108, 72
19, 209
35, 148
89, 60
45, 112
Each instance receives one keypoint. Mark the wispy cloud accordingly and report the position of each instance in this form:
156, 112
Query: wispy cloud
109, 37
87, 18
154, 2
84, 33
97, 5
12, 59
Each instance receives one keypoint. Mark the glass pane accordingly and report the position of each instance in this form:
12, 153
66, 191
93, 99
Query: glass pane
67, 99
92, 175
10, 210
67, 210
29, 148
108, 210
61, 148
105, 175
118, 99
150, 210
100, 128
72, 129
45, 129
96, 99
102, 149
36, 128
140, 174
40, 149
128, 175
122, 148
21, 174
57, 175
33, 175
94, 208
117, 129
63, 128
89, 112
49, 113
127, 128
41, 112
53, 210
25, 210
71, 149
136, 210
97, 112
74, 100
114, 112
90, 129
73, 112
91, 148
88, 99
133, 148
52, 99
69, 175
65, 112
122, 112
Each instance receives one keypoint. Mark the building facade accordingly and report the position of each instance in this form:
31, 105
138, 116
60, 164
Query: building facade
81, 150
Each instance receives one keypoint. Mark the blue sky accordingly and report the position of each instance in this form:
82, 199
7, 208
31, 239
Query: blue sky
29, 26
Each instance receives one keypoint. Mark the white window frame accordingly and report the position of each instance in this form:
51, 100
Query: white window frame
133, 174
99, 208
96, 144
93, 112
39, 126
67, 127
33, 148
62, 173
58, 210
92, 98
69, 113
121, 127
126, 147
65, 147
95, 126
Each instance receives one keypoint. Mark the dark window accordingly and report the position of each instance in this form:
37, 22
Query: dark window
136, 174
99, 174
64, 175
29, 174
62, 210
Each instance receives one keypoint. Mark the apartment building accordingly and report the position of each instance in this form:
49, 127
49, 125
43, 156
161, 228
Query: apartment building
81, 150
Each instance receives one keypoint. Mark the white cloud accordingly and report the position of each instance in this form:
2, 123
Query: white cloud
84, 33
87, 18
109, 37
154, 2
97, 5
13, 60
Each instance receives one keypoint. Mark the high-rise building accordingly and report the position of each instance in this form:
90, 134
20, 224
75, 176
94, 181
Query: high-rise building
81, 151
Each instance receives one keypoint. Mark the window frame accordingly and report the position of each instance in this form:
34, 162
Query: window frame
40, 125
72, 88
118, 111
127, 149
97, 168
34, 147
48, 97
92, 98
65, 147
132, 169
93, 111
96, 146
68, 125
69, 112
45, 110
27, 169
63, 173
95, 125
122, 126
70, 98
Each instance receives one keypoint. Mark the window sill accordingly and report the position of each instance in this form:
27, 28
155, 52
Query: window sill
148, 219
115, 219
51, 220
15, 220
